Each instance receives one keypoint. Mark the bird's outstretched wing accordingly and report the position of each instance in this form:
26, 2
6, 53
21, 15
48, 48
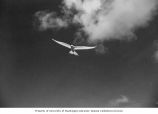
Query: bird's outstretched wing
62, 43
84, 47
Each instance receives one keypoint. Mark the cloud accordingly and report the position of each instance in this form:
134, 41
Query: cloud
102, 20
101, 49
49, 20
111, 19
155, 55
119, 101
124, 101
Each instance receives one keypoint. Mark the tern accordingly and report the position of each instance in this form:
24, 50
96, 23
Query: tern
74, 48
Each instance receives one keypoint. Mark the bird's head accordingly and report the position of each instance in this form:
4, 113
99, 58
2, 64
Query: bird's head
72, 45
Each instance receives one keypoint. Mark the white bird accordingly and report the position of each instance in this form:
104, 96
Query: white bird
73, 48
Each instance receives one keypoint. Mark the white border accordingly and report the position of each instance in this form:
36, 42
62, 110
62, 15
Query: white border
78, 110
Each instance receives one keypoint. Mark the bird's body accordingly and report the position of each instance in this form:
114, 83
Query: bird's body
72, 51
73, 48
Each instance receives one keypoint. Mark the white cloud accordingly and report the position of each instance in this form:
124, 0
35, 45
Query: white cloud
119, 101
155, 55
50, 20
124, 101
111, 19
102, 20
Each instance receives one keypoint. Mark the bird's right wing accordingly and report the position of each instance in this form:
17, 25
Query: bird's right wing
84, 47
62, 43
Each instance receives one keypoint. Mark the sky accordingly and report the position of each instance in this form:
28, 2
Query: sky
36, 72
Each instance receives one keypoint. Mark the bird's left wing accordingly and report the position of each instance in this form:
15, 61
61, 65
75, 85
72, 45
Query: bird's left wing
62, 43
84, 47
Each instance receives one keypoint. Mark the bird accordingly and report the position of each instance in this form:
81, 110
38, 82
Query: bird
74, 48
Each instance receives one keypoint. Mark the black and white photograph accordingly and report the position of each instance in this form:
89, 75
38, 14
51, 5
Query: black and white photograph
79, 53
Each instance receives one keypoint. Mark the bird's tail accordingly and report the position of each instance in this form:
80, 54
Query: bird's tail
73, 53
70, 52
